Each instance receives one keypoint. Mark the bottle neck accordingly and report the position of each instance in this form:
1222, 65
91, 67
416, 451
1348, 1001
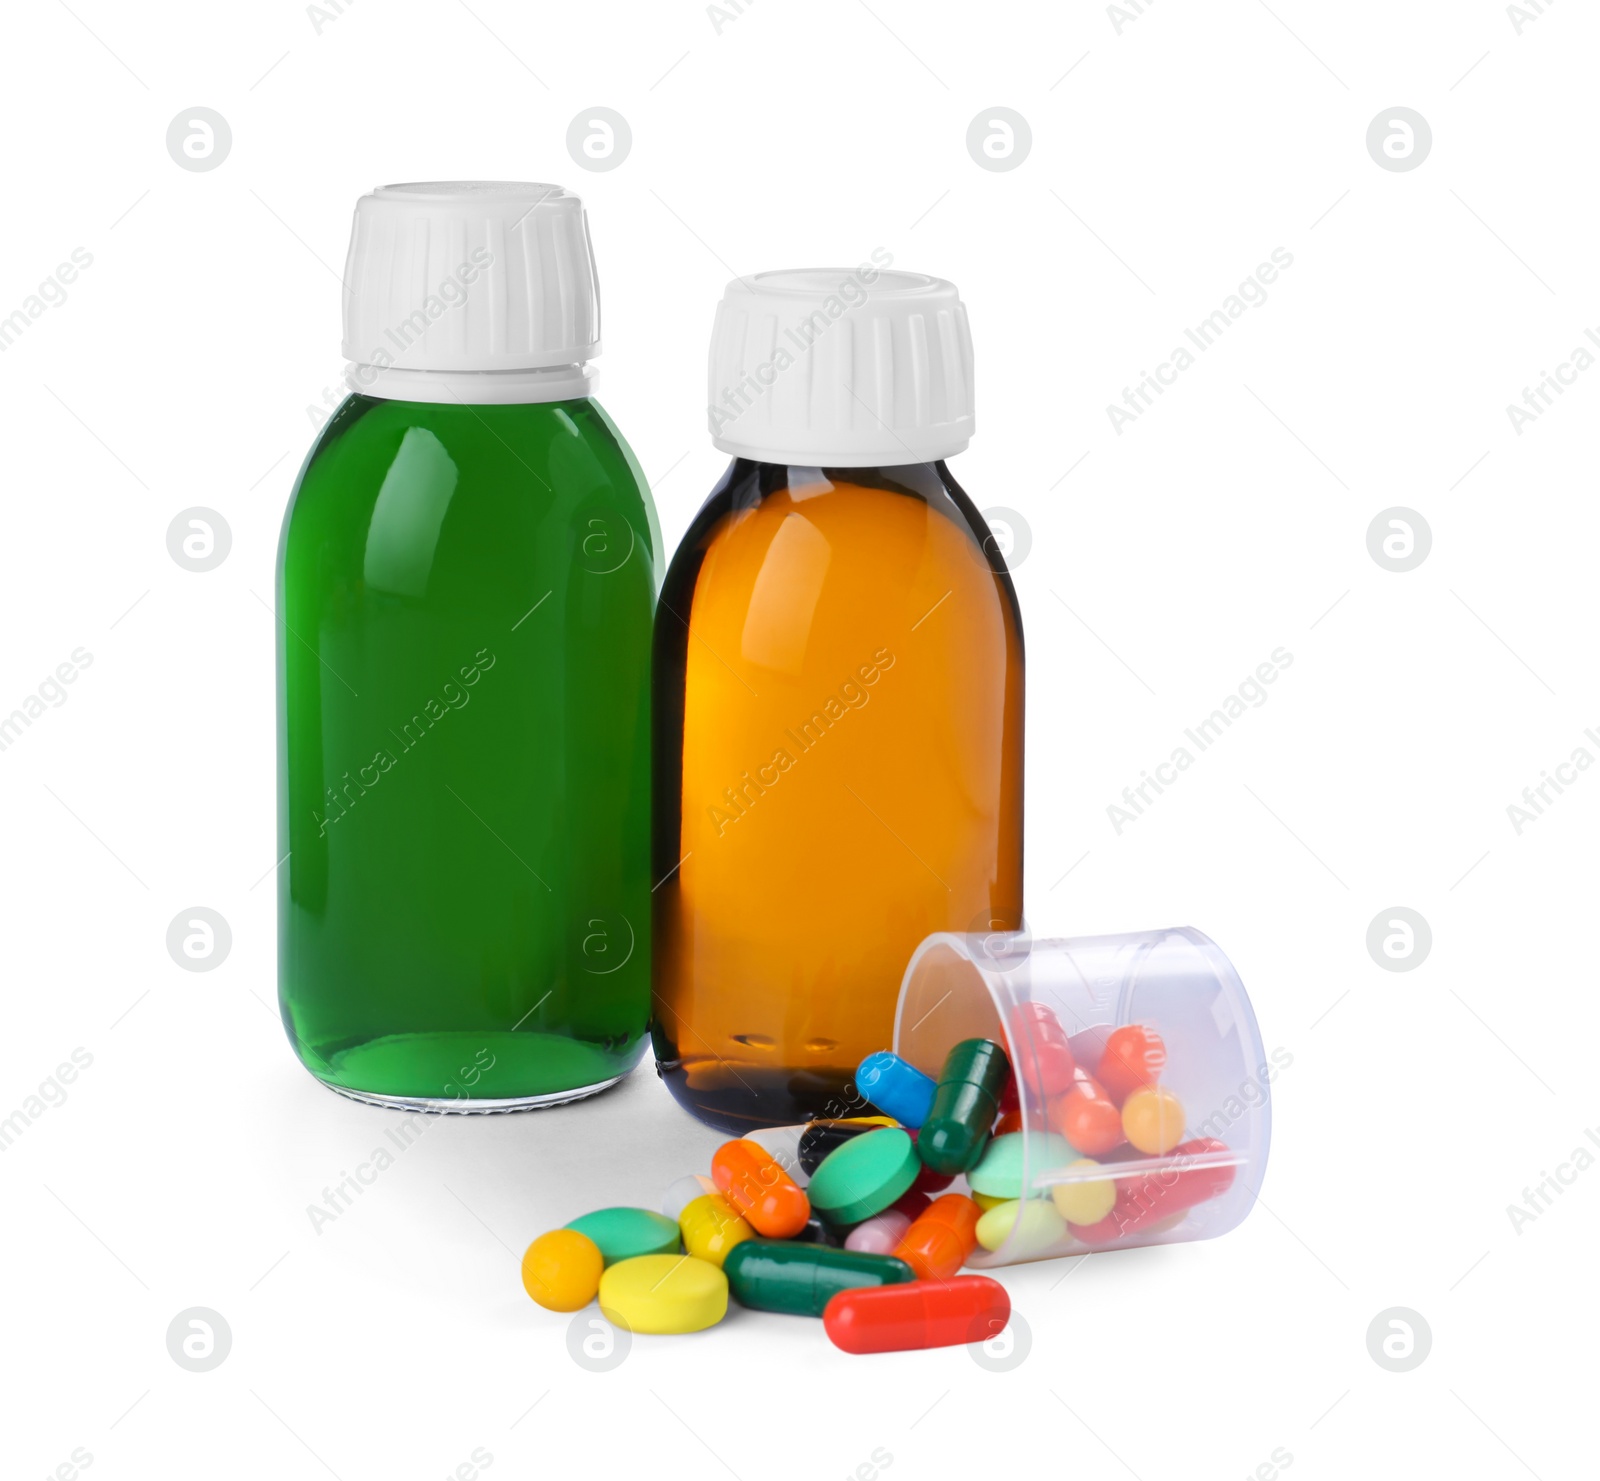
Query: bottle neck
473, 387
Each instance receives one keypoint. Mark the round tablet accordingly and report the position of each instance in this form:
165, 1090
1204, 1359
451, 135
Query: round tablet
999, 1171
561, 1270
664, 1294
627, 1233
864, 1176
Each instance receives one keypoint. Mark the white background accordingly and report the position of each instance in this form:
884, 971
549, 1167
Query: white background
1166, 562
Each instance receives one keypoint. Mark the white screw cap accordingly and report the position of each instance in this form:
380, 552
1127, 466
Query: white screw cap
841, 368
449, 278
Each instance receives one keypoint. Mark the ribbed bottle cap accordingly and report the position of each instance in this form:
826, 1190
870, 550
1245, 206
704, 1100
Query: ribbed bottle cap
453, 279
841, 367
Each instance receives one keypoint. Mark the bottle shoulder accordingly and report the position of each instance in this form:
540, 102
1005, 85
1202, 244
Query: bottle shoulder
521, 472
869, 528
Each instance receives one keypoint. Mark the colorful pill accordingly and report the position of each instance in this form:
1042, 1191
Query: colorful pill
864, 1176
896, 1088
683, 1192
627, 1233
1046, 1065
1087, 1117
938, 1243
782, 1144
1009, 1122
1008, 1159
766, 1196
925, 1313
663, 1293
1134, 1055
1152, 1120
711, 1228
800, 1279
822, 1137
1086, 1202
1026, 1227
964, 1106
561, 1270
987, 1201
1154, 1198
880, 1234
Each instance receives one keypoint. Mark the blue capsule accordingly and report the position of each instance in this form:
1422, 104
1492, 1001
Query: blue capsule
896, 1088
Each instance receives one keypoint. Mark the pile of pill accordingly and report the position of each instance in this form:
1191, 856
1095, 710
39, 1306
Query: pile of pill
854, 1220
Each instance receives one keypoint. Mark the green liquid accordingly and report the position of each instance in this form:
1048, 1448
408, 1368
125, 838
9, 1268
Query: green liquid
464, 605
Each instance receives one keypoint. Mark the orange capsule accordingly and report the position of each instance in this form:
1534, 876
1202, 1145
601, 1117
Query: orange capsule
758, 1188
1011, 1121
938, 1242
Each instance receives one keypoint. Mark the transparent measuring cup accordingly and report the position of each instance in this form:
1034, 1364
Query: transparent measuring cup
1203, 1116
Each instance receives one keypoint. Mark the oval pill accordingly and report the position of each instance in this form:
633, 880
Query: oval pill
1086, 1202
663, 1294
896, 1088
925, 1313
711, 1228
561, 1270
864, 1176
753, 1183
1030, 1225
626, 1233
964, 1106
800, 1279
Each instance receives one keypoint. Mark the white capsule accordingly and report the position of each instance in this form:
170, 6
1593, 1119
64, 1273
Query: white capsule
782, 1145
684, 1192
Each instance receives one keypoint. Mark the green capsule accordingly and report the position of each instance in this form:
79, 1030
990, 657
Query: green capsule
952, 1138
800, 1279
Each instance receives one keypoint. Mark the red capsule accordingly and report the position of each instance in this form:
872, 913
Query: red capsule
1045, 1063
921, 1313
1153, 1196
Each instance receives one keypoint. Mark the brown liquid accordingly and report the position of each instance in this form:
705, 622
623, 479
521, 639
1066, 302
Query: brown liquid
839, 769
